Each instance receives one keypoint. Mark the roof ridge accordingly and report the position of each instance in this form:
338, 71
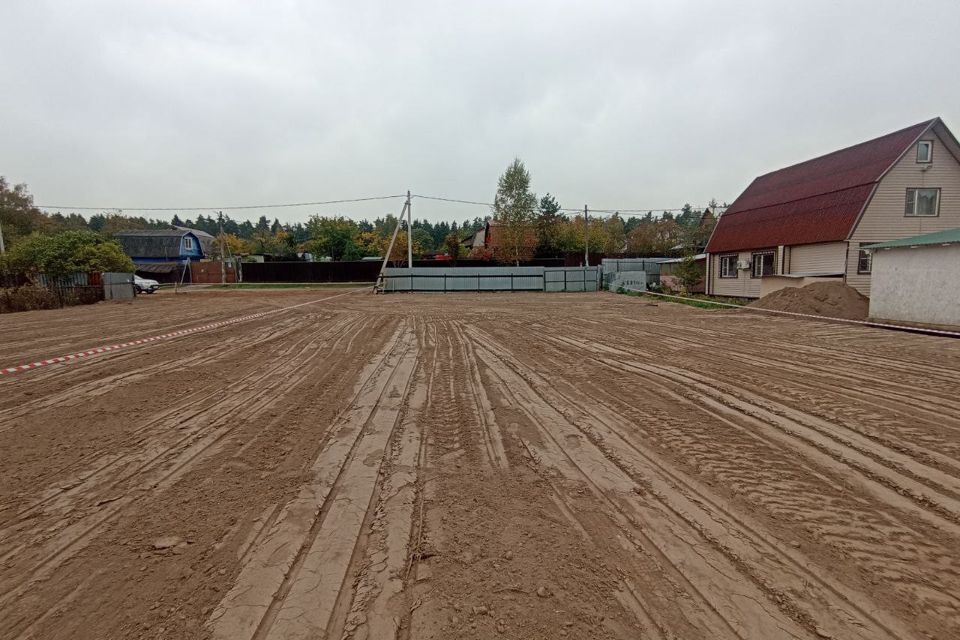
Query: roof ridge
926, 124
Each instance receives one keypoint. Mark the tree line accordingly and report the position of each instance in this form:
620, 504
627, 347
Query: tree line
525, 226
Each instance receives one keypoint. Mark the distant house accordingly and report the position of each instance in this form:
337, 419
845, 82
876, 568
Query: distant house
163, 252
479, 238
813, 220
917, 279
490, 238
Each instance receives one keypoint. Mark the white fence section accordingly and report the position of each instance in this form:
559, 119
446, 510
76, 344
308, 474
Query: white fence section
648, 266
491, 279
633, 280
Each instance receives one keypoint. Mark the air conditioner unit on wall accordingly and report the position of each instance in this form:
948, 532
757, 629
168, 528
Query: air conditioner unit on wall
743, 264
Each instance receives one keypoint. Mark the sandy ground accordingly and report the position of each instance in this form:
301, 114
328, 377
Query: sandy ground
476, 466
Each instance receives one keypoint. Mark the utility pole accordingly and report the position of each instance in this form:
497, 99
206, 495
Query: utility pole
223, 252
386, 258
409, 238
2, 249
586, 237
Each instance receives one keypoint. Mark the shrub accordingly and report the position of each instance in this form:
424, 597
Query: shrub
27, 299
66, 253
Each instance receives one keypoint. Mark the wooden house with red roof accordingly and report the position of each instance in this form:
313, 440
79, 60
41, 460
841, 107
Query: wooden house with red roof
811, 221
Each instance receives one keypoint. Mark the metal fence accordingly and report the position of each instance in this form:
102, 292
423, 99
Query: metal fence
649, 266
118, 286
491, 279
23, 293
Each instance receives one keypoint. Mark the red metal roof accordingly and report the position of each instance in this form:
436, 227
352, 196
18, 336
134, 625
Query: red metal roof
815, 201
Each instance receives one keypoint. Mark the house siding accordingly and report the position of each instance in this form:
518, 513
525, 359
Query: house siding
883, 218
826, 257
743, 286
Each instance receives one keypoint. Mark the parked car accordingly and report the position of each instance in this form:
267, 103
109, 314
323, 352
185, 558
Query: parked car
145, 285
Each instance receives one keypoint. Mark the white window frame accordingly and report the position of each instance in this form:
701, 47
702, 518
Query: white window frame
188, 243
731, 259
753, 263
928, 145
912, 197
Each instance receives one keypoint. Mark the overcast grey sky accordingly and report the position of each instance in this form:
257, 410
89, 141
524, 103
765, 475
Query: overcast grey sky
629, 104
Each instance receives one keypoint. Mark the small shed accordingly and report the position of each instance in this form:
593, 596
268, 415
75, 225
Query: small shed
917, 279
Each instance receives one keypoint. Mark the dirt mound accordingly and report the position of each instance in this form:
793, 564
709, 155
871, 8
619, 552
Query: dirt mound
833, 299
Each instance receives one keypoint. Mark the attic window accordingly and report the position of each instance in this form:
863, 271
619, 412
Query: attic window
925, 151
188, 243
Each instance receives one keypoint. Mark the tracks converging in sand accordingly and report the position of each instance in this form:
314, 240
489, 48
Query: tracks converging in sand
471, 466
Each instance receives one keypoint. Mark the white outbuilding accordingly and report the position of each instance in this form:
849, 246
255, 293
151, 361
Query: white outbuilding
917, 279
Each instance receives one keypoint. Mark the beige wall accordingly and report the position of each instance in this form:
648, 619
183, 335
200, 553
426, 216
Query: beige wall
743, 286
826, 257
883, 218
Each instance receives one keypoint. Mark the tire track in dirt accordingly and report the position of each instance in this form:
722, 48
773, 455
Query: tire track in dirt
859, 528
378, 606
152, 467
934, 492
292, 581
879, 389
89, 380
103, 462
780, 571
660, 477
717, 601
887, 419
260, 437
77, 328
836, 356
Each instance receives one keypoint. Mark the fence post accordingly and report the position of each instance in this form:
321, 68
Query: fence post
586, 237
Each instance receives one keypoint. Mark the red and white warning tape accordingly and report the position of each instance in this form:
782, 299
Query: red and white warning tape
866, 323
164, 336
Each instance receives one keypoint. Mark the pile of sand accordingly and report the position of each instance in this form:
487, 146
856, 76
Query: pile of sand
833, 299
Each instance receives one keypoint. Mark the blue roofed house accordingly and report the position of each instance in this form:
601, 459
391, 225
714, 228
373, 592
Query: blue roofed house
165, 253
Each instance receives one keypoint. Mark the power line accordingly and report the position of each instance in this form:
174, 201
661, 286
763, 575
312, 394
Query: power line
482, 204
233, 208
592, 210
286, 205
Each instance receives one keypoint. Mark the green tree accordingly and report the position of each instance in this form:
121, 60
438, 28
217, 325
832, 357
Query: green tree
549, 221
453, 246
688, 273
423, 239
18, 216
66, 253
332, 236
515, 211
615, 236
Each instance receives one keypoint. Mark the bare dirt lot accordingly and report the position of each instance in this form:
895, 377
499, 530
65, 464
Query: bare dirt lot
476, 466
